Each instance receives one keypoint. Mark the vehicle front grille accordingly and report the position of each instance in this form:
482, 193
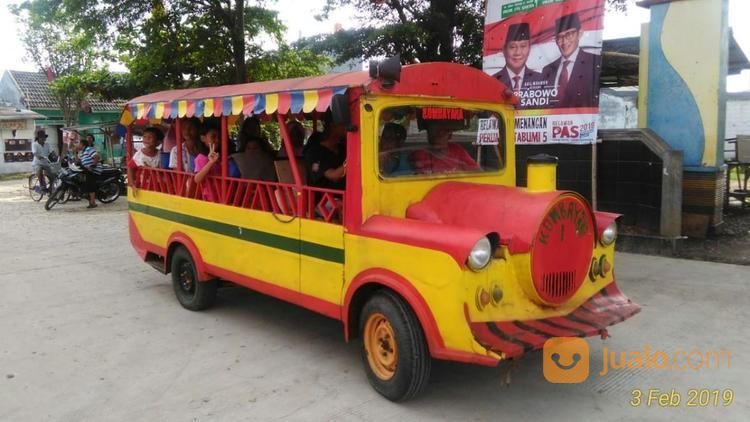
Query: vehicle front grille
559, 284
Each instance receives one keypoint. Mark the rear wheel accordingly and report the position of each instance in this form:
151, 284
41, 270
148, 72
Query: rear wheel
108, 192
192, 294
394, 350
55, 197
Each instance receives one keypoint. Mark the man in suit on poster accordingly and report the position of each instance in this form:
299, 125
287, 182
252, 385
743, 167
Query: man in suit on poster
576, 73
515, 74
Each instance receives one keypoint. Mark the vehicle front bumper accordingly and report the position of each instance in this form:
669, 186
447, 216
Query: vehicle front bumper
514, 338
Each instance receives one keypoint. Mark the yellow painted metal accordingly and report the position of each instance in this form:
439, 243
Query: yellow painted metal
380, 346
246, 258
448, 290
392, 196
320, 278
542, 177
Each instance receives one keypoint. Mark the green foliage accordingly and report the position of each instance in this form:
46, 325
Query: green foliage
418, 30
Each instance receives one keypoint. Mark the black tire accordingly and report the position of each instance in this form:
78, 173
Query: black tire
413, 362
192, 294
55, 198
35, 189
108, 192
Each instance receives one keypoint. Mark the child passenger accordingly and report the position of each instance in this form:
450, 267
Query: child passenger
147, 156
207, 161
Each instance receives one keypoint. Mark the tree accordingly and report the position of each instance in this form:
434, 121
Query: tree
418, 30
203, 41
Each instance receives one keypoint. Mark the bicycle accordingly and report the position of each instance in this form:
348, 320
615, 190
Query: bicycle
52, 181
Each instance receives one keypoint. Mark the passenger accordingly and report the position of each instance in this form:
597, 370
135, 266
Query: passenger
206, 160
297, 136
325, 162
191, 145
393, 161
442, 156
148, 155
255, 158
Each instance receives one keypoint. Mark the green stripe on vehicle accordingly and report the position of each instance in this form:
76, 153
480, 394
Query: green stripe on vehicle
283, 243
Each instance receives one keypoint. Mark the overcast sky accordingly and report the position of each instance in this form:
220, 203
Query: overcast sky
299, 18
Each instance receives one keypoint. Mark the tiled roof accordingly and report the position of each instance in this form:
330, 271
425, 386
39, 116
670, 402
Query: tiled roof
35, 90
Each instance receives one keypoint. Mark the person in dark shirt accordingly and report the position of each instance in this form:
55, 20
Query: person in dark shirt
325, 162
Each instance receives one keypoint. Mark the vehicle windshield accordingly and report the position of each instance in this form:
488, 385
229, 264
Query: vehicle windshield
435, 140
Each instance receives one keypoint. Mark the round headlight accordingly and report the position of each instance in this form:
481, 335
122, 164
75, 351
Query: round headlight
609, 234
480, 254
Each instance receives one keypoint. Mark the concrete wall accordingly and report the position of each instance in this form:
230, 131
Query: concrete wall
28, 133
738, 114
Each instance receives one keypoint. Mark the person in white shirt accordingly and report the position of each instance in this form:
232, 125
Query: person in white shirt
575, 74
191, 145
41, 164
147, 156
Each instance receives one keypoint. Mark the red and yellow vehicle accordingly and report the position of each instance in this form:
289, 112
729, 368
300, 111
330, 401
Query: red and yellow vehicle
438, 259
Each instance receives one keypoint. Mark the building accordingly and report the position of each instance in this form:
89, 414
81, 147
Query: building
30, 91
16, 137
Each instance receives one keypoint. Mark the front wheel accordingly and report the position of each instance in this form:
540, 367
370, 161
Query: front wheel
56, 196
394, 350
108, 192
192, 294
35, 188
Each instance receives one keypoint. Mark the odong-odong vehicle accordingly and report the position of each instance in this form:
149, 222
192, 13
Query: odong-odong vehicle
445, 258
109, 182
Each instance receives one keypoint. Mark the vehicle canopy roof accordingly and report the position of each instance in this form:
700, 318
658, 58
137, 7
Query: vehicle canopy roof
308, 94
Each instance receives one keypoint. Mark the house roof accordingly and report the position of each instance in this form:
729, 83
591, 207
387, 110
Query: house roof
34, 88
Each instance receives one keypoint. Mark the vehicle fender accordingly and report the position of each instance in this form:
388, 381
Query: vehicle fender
451, 239
400, 285
184, 240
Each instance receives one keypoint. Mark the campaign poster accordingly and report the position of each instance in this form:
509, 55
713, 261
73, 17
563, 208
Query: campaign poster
548, 53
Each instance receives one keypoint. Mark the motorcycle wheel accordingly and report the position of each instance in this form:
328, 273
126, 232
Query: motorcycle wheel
55, 198
108, 192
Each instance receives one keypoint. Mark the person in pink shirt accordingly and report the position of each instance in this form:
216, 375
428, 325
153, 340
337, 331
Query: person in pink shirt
442, 156
207, 162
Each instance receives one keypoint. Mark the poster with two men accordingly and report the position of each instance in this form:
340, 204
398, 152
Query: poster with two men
548, 52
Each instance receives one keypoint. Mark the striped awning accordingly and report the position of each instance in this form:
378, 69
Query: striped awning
293, 102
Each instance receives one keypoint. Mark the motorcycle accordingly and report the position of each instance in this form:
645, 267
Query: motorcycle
109, 183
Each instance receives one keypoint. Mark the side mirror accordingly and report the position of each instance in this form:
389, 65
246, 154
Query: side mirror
340, 112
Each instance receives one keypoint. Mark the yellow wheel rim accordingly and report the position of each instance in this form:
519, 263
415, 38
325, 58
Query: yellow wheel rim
380, 345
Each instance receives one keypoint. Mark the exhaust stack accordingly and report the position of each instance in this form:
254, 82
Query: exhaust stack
541, 173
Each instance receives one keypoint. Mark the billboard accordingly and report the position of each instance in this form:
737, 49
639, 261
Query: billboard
548, 52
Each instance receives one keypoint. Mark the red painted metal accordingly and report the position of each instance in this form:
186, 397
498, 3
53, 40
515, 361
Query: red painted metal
178, 151
279, 198
562, 248
514, 338
454, 240
129, 142
603, 219
512, 213
224, 157
406, 290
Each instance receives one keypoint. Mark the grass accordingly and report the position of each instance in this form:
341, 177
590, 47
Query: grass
13, 176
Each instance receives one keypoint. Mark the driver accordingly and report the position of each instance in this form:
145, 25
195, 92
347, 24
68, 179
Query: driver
442, 155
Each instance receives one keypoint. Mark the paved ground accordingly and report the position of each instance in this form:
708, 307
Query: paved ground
87, 332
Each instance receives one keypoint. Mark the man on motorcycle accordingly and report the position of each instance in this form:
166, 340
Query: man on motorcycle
88, 157
41, 163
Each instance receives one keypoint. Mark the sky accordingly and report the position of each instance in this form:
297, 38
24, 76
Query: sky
299, 19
